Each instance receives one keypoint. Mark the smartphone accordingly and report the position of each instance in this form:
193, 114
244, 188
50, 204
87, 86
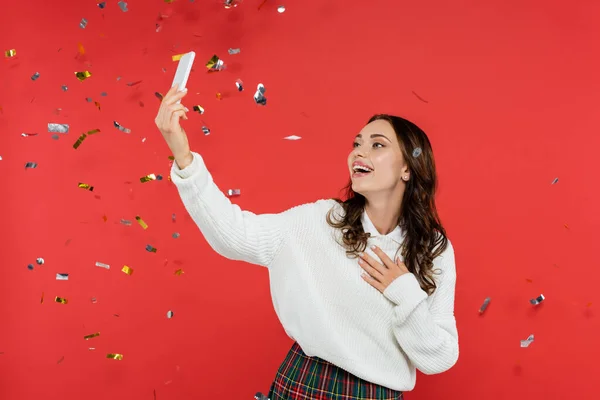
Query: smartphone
183, 71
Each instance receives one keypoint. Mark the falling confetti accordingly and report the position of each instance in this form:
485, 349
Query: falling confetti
94, 300
555, 181
93, 335
230, 3
215, 64
134, 83
39, 261
115, 356
240, 85
121, 128
35, 76
85, 186
169, 314
179, 272
537, 300
60, 360
419, 97
30, 267
127, 270
260, 396
12, 52
62, 277
42, 300
31, 165
173, 217
281, 9
141, 222
58, 128
28, 134
150, 249
123, 6
102, 5
177, 57
61, 300
148, 178
175, 235
259, 96
233, 192
83, 23
83, 75
80, 49
199, 109
417, 152
233, 51
527, 342
293, 137
102, 265
206, 130
485, 304
64, 88
125, 222
219, 96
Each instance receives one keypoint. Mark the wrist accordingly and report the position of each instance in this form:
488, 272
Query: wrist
184, 160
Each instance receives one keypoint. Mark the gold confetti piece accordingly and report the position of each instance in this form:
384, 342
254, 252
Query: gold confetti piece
147, 178
79, 141
179, 272
80, 49
97, 105
219, 96
86, 186
215, 64
93, 335
82, 76
177, 57
10, 53
42, 301
199, 109
115, 356
141, 222
127, 270
171, 158
61, 300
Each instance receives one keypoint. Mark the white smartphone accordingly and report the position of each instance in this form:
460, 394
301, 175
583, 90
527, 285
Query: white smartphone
183, 71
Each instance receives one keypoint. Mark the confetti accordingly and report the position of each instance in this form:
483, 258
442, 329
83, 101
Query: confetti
102, 265
61, 360
61, 300
537, 300
233, 192
293, 137
123, 6
39, 261
158, 95
12, 52
177, 57
240, 85
28, 134
54, 137
219, 96
260, 396
92, 348
93, 335
141, 222
485, 304
85, 186
527, 342
62, 277
173, 217
419, 97
58, 128
64, 88
82, 76
281, 9
147, 178
417, 152
555, 181
102, 5
121, 128
35, 76
259, 96
42, 300
83, 136
150, 249
125, 222
80, 48
231, 3
175, 235
169, 314
127, 270
31, 165
115, 356
206, 130
215, 64
233, 51
179, 272
103, 94
30, 267
83, 23
199, 109
134, 83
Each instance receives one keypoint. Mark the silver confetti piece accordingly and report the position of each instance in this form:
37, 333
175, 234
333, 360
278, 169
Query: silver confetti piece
102, 265
169, 314
103, 94
233, 51
281, 9
55, 136
537, 300
175, 235
102, 5
555, 181
31, 165
94, 300
58, 128
233, 192
30, 267
485, 304
125, 222
259, 96
293, 137
28, 134
123, 6
83, 23
121, 128
239, 84
206, 130
64, 88
260, 396
417, 152
39, 261
89, 99
62, 277
173, 217
35, 76
527, 342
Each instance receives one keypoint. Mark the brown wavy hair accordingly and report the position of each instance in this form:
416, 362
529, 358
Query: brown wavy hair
425, 237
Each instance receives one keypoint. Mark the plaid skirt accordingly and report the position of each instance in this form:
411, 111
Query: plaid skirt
301, 377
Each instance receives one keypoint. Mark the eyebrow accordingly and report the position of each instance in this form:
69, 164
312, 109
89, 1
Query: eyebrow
374, 135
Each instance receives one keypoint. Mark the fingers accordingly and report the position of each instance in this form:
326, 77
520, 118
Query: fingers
369, 265
173, 96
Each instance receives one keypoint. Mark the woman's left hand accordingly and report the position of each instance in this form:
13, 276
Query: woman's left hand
378, 275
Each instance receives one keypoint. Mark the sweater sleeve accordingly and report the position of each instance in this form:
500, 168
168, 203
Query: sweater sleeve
426, 331
233, 233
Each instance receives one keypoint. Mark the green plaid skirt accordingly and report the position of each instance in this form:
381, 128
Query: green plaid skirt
301, 377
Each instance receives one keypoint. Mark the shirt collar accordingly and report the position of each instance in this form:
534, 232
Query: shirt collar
396, 235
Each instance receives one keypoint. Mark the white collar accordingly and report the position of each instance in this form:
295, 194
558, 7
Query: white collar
396, 235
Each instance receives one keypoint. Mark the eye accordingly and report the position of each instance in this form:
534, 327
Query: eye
354, 144
374, 144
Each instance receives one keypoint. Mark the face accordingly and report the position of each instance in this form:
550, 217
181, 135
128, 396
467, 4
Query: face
377, 147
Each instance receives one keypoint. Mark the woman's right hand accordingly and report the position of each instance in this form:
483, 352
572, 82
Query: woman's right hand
167, 121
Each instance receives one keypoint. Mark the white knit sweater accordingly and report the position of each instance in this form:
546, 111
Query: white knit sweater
318, 294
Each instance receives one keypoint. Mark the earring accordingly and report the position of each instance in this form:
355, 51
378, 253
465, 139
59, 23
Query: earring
406, 178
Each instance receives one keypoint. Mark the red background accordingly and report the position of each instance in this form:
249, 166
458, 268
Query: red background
512, 93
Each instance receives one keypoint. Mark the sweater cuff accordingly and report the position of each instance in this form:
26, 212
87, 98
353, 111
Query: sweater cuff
196, 169
406, 293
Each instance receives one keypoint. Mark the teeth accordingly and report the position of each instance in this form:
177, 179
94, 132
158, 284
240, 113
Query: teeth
361, 168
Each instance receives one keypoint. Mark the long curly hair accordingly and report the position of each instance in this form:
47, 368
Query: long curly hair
425, 237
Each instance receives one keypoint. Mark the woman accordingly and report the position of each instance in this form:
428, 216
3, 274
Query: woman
362, 323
